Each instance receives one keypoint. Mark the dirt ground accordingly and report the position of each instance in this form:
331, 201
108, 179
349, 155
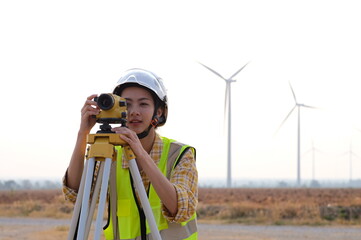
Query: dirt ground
54, 229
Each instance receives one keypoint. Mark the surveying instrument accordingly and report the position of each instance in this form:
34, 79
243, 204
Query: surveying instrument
102, 149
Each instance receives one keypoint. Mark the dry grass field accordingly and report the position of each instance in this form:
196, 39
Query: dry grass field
313, 207
277, 206
237, 205
34, 203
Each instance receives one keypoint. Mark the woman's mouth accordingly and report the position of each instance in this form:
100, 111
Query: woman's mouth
135, 122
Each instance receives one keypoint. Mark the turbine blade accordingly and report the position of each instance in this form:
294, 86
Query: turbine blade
307, 106
238, 71
309, 150
285, 119
294, 95
210, 69
356, 155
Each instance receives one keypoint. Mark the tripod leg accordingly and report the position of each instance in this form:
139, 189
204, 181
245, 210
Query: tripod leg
144, 199
113, 199
85, 200
103, 196
76, 212
94, 200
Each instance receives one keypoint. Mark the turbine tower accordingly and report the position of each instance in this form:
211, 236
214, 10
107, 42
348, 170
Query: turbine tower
351, 153
313, 150
298, 105
227, 109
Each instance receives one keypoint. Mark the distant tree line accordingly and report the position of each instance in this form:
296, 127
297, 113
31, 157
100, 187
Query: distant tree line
28, 184
356, 183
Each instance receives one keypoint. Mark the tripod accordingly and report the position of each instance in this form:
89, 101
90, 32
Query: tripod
101, 148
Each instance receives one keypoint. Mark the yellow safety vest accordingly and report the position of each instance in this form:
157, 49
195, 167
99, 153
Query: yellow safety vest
128, 216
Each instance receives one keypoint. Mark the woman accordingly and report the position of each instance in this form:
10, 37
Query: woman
167, 168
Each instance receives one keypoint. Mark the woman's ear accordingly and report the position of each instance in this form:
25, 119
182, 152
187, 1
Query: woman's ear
159, 112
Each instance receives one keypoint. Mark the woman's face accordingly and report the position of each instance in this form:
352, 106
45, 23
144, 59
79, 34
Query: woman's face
140, 108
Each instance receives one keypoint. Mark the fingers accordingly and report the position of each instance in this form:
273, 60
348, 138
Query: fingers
123, 131
131, 138
126, 134
89, 109
91, 97
90, 102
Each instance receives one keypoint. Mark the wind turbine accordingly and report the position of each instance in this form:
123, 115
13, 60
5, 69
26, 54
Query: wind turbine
313, 150
298, 106
351, 153
227, 109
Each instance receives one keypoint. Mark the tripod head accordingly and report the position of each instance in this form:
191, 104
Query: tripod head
106, 128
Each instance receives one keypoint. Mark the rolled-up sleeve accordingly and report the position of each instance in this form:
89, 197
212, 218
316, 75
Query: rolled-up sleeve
69, 194
185, 181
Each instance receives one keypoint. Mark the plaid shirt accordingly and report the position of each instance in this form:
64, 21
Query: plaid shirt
184, 179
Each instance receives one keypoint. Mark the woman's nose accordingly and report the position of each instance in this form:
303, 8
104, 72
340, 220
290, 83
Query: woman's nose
133, 111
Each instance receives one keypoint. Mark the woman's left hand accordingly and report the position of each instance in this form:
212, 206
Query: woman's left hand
132, 139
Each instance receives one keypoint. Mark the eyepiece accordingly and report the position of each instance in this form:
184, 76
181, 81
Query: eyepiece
105, 101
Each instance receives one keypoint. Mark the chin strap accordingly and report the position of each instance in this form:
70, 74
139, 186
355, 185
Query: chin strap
153, 123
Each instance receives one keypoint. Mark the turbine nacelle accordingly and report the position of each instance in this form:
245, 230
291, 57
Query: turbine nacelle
230, 80
304, 105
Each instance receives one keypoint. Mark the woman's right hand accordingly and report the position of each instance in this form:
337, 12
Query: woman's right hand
89, 109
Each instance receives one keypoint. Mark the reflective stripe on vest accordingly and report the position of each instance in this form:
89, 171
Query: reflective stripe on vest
127, 211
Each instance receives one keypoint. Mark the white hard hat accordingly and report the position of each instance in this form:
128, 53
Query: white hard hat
144, 78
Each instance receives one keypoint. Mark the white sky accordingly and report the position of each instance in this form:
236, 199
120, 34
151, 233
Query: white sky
54, 54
